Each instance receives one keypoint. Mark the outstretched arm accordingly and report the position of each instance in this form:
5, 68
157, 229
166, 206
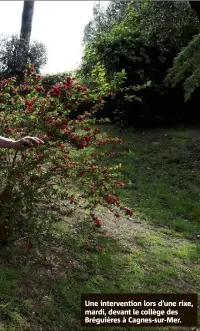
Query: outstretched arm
23, 143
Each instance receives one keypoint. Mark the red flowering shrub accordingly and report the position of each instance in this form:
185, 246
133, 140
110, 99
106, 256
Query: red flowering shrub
30, 178
99, 248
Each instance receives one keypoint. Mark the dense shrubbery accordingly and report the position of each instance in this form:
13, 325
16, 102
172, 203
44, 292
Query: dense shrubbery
49, 80
29, 178
186, 68
101, 86
141, 39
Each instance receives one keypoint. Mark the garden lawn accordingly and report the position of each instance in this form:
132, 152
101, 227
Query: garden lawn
157, 250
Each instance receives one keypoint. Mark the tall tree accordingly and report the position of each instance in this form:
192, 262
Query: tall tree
25, 33
27, 18
186, 66
104, 18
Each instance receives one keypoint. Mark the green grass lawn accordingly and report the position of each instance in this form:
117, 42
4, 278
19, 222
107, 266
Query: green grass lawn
156, 251
162, 170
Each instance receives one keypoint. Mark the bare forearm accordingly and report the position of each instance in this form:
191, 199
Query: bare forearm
20, 144
6, 143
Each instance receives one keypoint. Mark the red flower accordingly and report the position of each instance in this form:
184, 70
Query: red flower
41, 137
29, 246
55, 92
69, 80
29, 102
91, 170
50, 119
63, 124
6, 195
71, 199
81, 146
99, 248
39, 156
83, 88
50, 134
118, 183
112, 199
129, 211
98, 222
30, 109
9, 131
82, 172
96, 131
39, 88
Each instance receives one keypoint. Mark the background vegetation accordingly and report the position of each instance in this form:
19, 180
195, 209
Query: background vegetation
149, 41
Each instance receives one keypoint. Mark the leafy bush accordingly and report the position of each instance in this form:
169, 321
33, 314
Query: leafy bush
106, 66
186, 68
49, 80
142, 39
30, 178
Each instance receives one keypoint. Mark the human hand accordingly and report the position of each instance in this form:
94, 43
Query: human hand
27, 142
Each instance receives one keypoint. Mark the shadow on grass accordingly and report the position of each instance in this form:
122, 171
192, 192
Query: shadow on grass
161, 172
41, 287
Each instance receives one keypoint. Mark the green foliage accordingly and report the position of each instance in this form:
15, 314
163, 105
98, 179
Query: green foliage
186, 68
141, 38
101, 83
12, 56
110, 56
108, 47
49, 80
168, 23
103, 19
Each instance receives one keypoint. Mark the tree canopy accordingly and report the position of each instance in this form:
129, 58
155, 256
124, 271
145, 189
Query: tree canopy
145, 39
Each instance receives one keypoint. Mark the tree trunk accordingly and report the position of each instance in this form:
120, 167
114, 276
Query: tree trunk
25, 34
27, 18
